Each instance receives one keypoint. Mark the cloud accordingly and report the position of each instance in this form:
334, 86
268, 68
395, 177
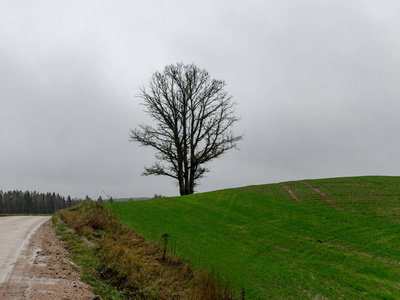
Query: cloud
315, 85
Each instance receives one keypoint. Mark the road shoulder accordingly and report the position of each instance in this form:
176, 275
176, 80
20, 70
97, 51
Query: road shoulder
44, 271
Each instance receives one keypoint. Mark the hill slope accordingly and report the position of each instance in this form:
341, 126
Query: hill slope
330, 238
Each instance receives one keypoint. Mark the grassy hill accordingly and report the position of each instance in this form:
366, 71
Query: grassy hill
339, 239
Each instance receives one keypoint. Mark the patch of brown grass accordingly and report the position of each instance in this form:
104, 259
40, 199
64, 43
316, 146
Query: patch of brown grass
137, 266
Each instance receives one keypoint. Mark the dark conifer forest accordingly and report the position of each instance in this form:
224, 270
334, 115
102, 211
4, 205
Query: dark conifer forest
19, 202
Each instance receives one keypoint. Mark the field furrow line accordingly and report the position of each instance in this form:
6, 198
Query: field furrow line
293, 194
330, 201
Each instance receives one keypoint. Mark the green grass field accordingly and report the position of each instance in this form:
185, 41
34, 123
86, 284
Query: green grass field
261, 239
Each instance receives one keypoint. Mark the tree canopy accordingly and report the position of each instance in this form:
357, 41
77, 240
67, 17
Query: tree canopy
193, 117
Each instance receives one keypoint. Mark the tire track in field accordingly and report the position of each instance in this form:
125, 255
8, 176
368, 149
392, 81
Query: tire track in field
293, 194
360, 253
330, 201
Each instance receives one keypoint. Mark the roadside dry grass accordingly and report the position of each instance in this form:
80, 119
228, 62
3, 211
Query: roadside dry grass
121, 264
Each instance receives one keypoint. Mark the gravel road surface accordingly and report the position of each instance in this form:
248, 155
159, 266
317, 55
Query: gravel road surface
34, 264
14, 235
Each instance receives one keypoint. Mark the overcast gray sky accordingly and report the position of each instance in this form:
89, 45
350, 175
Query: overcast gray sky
316, 85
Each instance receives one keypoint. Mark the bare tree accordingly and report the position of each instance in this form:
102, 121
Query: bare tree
193, 116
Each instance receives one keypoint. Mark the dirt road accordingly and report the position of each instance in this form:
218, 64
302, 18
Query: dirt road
14, 235
34, 264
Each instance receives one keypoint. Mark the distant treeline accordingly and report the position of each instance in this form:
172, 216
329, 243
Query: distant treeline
19, 202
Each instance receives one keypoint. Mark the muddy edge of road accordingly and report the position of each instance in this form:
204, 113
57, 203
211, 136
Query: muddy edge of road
43, 270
